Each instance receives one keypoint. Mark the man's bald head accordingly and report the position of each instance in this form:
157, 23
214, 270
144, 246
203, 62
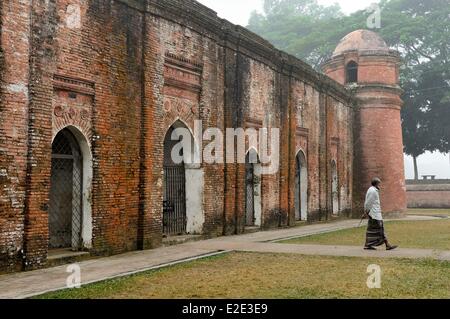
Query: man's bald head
376, 182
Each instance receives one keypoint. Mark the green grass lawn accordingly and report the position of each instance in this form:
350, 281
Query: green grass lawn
408, 234
255, 275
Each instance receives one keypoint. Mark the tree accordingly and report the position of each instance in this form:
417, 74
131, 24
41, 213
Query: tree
419, 29
296, 26
415, 122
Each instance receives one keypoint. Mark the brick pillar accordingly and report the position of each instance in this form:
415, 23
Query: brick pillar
231, 121
323, 162
150, 212
286, 149
14, 93
44, 23
379, 149
241, 104
292, 151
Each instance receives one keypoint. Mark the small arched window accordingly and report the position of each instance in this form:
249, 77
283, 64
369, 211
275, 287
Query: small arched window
352, 72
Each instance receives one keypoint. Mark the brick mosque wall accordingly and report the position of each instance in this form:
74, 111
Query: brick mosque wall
428, 194
113, 70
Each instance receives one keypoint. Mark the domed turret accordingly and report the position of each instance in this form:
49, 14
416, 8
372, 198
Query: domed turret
361, 40
363, 62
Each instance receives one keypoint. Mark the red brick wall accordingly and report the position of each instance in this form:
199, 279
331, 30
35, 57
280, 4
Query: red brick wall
382, 131
116, 59
340, 144
339, 147
428, 195
378, 70
428, 199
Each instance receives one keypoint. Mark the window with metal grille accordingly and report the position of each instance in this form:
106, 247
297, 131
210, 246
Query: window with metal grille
352, 72
174, 205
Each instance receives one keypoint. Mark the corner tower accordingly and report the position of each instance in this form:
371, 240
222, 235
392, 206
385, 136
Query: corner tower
364, 63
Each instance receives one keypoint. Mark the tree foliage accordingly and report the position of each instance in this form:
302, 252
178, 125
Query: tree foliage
297, 27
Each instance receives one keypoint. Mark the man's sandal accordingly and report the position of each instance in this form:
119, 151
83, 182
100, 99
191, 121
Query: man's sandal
391, 247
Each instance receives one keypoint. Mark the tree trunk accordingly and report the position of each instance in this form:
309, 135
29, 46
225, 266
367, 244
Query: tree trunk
416, 170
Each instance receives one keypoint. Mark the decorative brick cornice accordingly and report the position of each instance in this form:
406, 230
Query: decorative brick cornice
300, 131
253, 123
194, 66
335, 141
75, 85
367, 87
366, 53
182, 73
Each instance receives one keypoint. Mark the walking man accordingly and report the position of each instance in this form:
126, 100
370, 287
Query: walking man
375, 230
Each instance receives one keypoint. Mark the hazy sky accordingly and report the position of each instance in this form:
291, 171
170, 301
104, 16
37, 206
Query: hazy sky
238, 12
429, 164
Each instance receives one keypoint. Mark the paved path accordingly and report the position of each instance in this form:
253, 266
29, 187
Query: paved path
328, 250
26, 284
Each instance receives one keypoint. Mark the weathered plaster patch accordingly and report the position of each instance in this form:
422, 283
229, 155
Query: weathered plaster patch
18, 88
73, 16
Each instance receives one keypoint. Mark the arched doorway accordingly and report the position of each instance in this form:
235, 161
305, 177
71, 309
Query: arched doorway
301, 187
253, 213
183, 184
334, 188
66, 193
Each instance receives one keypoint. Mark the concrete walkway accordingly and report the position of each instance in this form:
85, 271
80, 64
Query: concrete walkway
328, 250
27, 284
